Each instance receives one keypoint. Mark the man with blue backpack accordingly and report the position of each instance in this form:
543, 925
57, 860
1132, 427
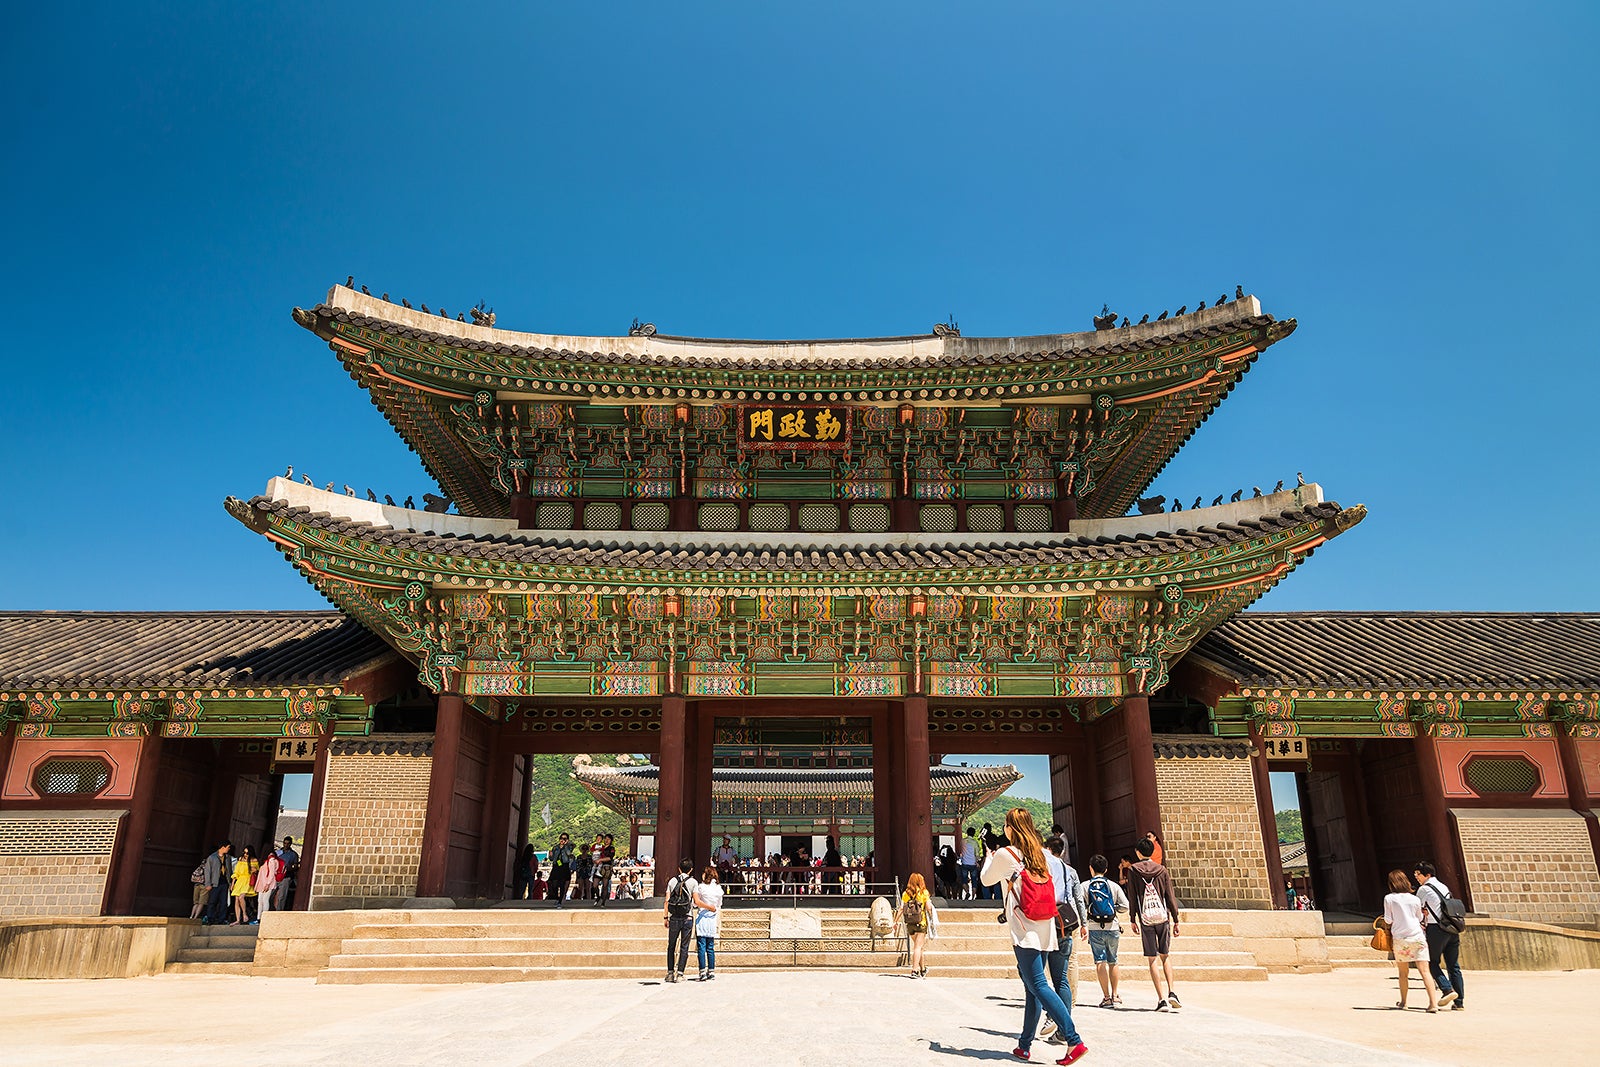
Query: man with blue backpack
1100, 899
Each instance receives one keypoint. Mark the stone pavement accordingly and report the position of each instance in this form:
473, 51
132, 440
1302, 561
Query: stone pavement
773, 1019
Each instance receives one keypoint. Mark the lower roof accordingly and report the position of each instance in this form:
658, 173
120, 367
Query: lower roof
800, 781
1452, 650
52, 650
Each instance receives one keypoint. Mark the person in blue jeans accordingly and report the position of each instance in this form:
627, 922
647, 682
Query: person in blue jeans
707, 910
1033, 941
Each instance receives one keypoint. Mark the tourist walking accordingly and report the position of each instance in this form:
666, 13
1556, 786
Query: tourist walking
1070, 927
992, 843
215, 879
918, 917
707, 912
969, 865
522, 873
561, 863
1402, 914
243, 886
290, 878
267, 880
1021, 869
1100, 899
832, 869
1154, 911
1444, 937
603, 868
677, 916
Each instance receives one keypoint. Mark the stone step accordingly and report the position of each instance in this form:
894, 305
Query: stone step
190, 954
1348, 929
568, 961
226, 933
183, 967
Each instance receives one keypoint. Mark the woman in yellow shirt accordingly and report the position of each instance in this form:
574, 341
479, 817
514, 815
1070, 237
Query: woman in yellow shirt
916, 911
244, 887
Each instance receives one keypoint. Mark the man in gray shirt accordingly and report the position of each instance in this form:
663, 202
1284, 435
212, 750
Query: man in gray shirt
1063, 963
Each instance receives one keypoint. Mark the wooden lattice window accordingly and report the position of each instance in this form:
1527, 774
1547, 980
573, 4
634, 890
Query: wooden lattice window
553, 516
1032, 518
651, 516
719, 516
71, 777
938, 518
1502, 776
869, 518
602, 516
769, 518
986, 518
819, 518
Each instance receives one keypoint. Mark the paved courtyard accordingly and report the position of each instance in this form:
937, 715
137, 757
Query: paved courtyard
772, 1019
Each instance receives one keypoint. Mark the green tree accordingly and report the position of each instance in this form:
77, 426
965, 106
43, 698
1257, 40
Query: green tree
572, 810
1290, 828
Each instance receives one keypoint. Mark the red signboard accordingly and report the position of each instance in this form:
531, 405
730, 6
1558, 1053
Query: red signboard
794, 426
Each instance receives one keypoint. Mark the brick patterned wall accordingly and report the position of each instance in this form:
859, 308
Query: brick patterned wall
376, 798
1211, 830
55, 863
1529, 864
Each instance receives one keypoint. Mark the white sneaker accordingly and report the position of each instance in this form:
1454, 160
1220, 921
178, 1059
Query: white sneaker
1047, 1031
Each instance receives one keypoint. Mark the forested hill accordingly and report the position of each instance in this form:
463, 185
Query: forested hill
572, 809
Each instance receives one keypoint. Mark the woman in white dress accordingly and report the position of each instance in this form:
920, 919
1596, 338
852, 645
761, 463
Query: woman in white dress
1402, 912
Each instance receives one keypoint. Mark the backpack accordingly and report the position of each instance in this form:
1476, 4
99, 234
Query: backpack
1102, 905
679, 898
915, 915
1152, 909
1035, 898
1451, 915
199, 875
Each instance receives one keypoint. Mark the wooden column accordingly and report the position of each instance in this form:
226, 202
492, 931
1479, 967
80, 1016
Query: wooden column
522, 509
1084, 767
699, 782
1358, 827
1441, 839
882, 792
919, 790
1267, 812
525, 815
434, 866
308, 840
1578, 795
1142, 765
124, 886
669, 799
493, 857
890, 830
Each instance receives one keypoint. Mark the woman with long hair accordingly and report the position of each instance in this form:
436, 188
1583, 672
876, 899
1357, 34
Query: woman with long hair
707, 911
243, 885
1402, 912
916, 912
1021, 869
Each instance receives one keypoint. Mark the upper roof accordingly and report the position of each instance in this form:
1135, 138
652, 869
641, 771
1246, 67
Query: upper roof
1450, 650
771, 781
463, 395
50, 650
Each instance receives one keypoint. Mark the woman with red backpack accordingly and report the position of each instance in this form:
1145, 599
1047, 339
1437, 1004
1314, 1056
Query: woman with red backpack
1030, 901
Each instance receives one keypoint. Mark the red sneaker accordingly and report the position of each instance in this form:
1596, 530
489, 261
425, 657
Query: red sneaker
1079, 1051
1020, 1054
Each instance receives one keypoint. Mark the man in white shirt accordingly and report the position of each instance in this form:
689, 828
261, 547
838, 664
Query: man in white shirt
1444, 946
1067, 892
1095, 897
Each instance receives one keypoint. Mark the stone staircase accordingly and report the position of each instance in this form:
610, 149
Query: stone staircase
1348, 944
217, 950
525, 945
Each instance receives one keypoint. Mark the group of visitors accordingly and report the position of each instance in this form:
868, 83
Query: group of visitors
692, 909
957, 868
1424, 931
795, 871
246, 886
592, 873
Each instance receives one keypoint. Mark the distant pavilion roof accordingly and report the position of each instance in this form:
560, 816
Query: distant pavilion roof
183, 650
984, 782
1441, 650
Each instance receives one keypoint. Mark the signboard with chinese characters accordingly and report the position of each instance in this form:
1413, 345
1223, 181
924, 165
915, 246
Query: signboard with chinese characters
794, 426
1284, 748
290, 750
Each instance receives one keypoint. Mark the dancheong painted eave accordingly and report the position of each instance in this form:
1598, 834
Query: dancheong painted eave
443, 384
342, 539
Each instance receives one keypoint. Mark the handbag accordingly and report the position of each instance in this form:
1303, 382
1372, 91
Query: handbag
1382, 940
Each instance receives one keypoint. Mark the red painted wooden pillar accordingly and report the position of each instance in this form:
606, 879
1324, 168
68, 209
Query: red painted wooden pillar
522, 509
1142, 765
1578, 795
308, 840
882, 794
669, 798
919, 790
1440, 837
1266, 812
434, 867
1083, 767
699, 781
493, 853
892, 858
136, 830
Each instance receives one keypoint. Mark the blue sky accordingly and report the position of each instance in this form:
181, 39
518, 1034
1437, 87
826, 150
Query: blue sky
1414, 183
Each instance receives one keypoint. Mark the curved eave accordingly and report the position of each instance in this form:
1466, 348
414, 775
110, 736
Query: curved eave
414, 366
976, 782
383, 557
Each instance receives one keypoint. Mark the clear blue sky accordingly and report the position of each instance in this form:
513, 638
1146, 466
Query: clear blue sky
1415, 183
